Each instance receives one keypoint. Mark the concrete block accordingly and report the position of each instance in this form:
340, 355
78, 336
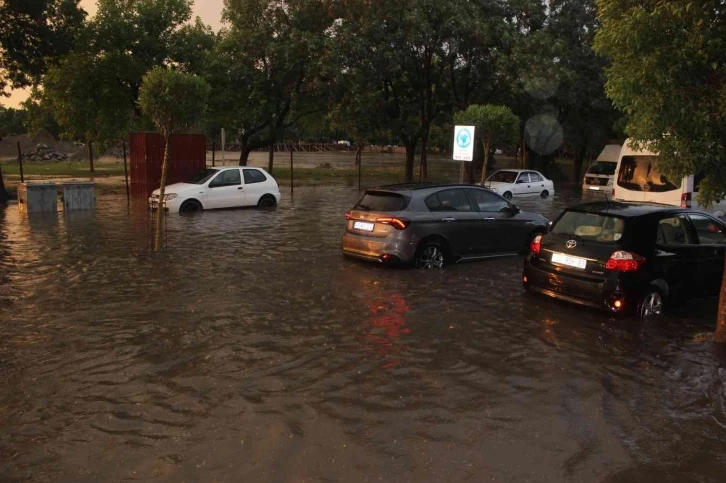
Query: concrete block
79, 196
38, 197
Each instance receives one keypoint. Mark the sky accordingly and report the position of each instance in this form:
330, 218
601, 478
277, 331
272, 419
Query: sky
209, 10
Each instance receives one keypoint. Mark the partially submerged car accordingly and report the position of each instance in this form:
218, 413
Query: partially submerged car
431, 225
520, 182
217, 188
627, 257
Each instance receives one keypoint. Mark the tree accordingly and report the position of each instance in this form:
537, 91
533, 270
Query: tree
668, 73
174, 101
11, 121
494, 125
33, 35
269, 67
93, 91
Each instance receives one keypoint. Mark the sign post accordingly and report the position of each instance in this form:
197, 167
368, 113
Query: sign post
223, 146
463, 147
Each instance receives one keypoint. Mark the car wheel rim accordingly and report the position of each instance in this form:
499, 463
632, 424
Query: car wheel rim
432, 257
653, 305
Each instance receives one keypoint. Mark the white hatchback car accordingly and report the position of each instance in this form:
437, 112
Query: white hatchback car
216, 188
520, 182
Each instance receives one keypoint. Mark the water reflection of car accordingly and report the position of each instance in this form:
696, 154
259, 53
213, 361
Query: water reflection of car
218, 188
628, 257
431, 225
519, 182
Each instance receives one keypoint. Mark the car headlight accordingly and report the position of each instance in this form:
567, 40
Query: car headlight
170, 196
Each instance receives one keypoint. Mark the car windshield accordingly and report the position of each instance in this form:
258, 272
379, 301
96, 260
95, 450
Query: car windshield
382, 201
603, 167
203, 176
590, 226
504, 177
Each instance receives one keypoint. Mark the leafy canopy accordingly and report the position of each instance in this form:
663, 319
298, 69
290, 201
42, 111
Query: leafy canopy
668, 73
173, 100
494, 124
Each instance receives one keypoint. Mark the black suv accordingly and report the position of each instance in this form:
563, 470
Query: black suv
628, 257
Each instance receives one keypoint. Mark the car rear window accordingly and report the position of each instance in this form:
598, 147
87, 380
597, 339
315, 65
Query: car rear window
382, 201
504, 177
590, 226
639, 173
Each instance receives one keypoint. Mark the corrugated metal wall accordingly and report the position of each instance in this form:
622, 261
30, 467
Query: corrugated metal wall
188, 156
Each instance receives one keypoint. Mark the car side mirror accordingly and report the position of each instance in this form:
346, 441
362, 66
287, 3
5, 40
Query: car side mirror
514, 209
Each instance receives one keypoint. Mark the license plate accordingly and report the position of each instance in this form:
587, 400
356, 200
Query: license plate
593, 188
563, 259
361, 225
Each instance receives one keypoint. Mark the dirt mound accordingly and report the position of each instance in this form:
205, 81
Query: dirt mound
43, 137
43, 152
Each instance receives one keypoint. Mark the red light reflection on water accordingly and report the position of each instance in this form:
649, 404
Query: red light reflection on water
389, 322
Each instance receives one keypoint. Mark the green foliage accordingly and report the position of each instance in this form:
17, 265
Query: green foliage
39, 115
173, 100
11, 121
495, 125
668, 73
33, 35
268, 68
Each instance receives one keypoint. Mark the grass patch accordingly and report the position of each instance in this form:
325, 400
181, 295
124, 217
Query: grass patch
74, 169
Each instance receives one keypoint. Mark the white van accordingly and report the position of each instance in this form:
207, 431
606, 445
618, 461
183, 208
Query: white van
601, 174
637, 179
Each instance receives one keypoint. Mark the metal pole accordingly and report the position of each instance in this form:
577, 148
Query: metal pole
90, 154
126, 176
214, 145
360, 170
224, 145
292, 174
20, 162
461, 172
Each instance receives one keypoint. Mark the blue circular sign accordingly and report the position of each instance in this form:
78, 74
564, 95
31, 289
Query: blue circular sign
463, 138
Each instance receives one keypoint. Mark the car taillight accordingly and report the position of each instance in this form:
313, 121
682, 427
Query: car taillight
397, 223
536, 245
622, 261
686, 200
348, 216
613, 191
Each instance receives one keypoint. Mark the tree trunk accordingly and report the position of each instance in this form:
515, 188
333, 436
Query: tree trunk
90, 154
271, 161
410, 155
578, 161
720, 335
524, 153
162, 190
424, 168
358, 154
4, 196
244, 154
487, 150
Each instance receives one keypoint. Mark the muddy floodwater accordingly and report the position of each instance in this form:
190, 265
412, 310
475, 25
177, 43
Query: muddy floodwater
252, 351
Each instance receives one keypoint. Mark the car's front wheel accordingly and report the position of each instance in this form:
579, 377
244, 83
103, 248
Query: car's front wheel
544, 194
652, 304
430, 255
507, 195
190, 206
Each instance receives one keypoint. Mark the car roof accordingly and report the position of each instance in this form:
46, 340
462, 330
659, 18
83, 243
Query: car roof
627, 210
422, 186
515, 170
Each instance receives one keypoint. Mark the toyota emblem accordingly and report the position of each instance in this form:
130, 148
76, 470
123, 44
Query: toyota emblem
571, 244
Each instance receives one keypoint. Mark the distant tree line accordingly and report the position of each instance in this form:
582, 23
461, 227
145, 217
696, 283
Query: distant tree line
369, 71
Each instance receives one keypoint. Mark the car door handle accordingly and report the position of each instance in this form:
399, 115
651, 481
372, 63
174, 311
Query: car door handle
489, 219
240, 188
448, 219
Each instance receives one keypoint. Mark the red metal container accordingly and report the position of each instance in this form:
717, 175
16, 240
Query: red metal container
187, 157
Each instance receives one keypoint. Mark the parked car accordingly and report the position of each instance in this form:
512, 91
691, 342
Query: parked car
431, 225
627, 258
637, 179
217, 188
600, 175
519, 182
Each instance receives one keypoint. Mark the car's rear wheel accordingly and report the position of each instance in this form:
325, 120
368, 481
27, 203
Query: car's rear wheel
544, 194
430, 255
190, 206
507, 195
267, 202
652, 304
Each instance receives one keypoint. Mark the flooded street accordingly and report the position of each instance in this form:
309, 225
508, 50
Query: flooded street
251, 350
